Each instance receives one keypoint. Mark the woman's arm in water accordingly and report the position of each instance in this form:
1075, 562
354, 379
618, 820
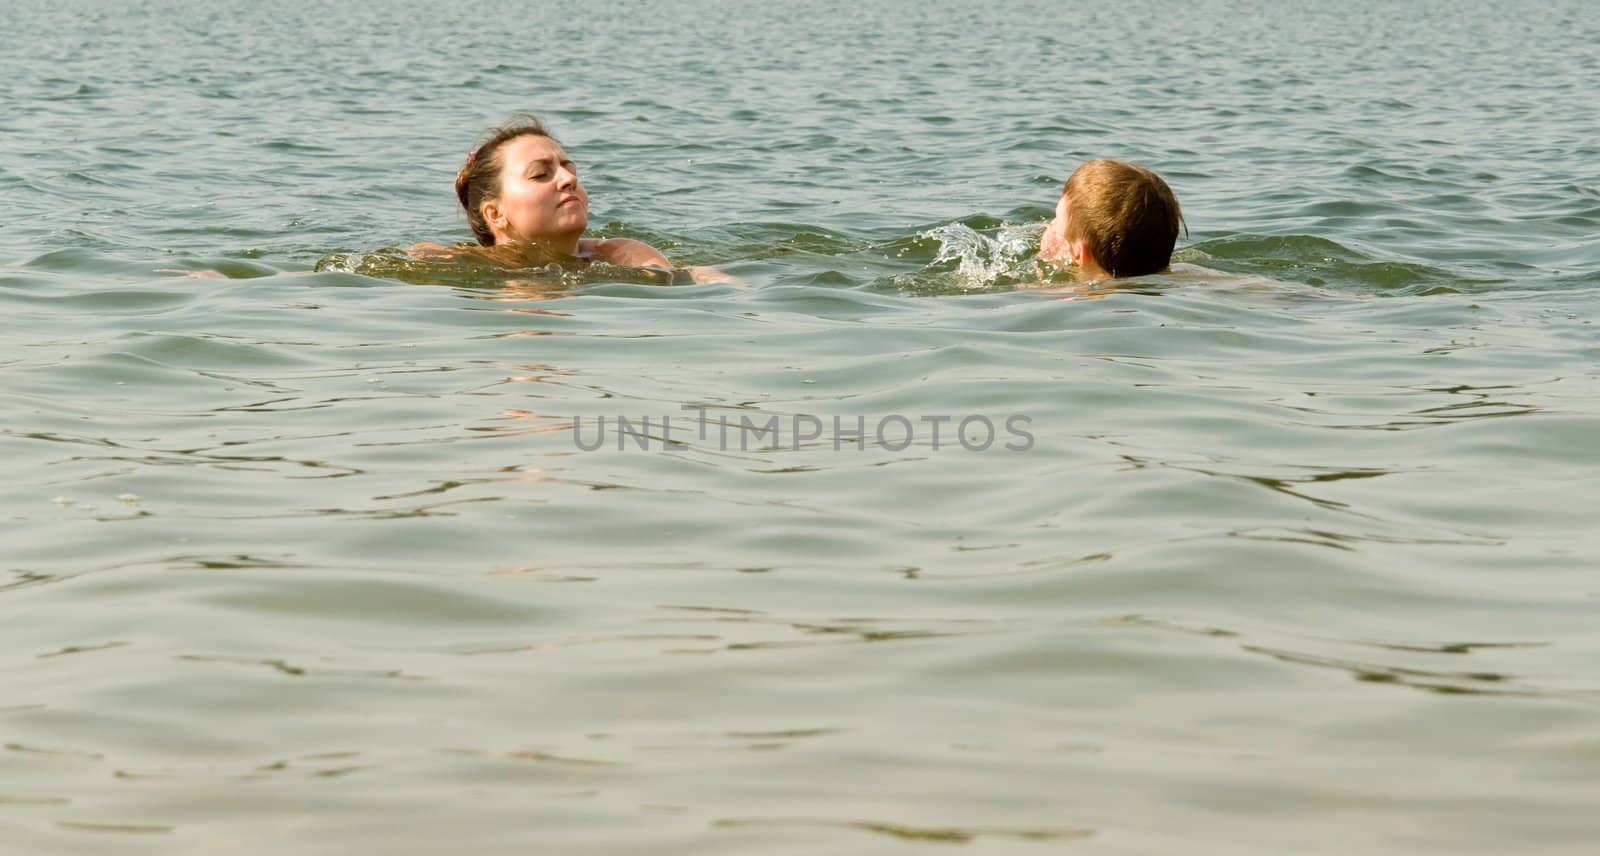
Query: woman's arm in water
627, 252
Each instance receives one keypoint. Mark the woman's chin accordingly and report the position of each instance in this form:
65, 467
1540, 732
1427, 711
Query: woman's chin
572, 220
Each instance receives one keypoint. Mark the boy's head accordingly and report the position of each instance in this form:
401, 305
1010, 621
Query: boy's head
1116, 217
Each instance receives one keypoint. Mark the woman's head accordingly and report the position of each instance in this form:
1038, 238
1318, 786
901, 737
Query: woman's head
519, 186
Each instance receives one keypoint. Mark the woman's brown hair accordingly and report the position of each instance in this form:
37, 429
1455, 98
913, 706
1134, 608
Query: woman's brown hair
479, 180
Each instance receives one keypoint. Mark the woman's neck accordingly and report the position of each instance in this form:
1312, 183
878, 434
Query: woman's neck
566, 243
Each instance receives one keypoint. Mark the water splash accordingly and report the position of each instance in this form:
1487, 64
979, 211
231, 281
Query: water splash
982, 261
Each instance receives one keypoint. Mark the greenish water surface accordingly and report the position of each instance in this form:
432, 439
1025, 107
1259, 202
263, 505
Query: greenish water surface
303, 547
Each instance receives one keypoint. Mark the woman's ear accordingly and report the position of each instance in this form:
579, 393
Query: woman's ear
492, 217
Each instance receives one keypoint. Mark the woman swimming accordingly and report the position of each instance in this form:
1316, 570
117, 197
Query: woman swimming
526, 207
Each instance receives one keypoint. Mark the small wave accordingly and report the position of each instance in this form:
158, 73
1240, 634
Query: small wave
466, 272
398, 264
1319, 262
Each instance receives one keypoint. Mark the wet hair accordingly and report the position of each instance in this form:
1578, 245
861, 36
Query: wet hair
479, 179
1125, 214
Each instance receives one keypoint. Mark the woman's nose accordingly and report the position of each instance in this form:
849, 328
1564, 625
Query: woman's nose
566, 177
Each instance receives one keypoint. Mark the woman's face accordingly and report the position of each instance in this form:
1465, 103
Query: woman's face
540, 198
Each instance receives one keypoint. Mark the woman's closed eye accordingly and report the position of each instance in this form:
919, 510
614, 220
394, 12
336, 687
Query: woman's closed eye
545, 170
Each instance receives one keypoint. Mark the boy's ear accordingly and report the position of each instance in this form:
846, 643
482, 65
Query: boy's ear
1079, 251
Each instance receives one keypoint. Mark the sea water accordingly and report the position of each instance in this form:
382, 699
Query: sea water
890, 547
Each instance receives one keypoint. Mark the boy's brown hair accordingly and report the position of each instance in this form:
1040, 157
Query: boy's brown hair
1125, 214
